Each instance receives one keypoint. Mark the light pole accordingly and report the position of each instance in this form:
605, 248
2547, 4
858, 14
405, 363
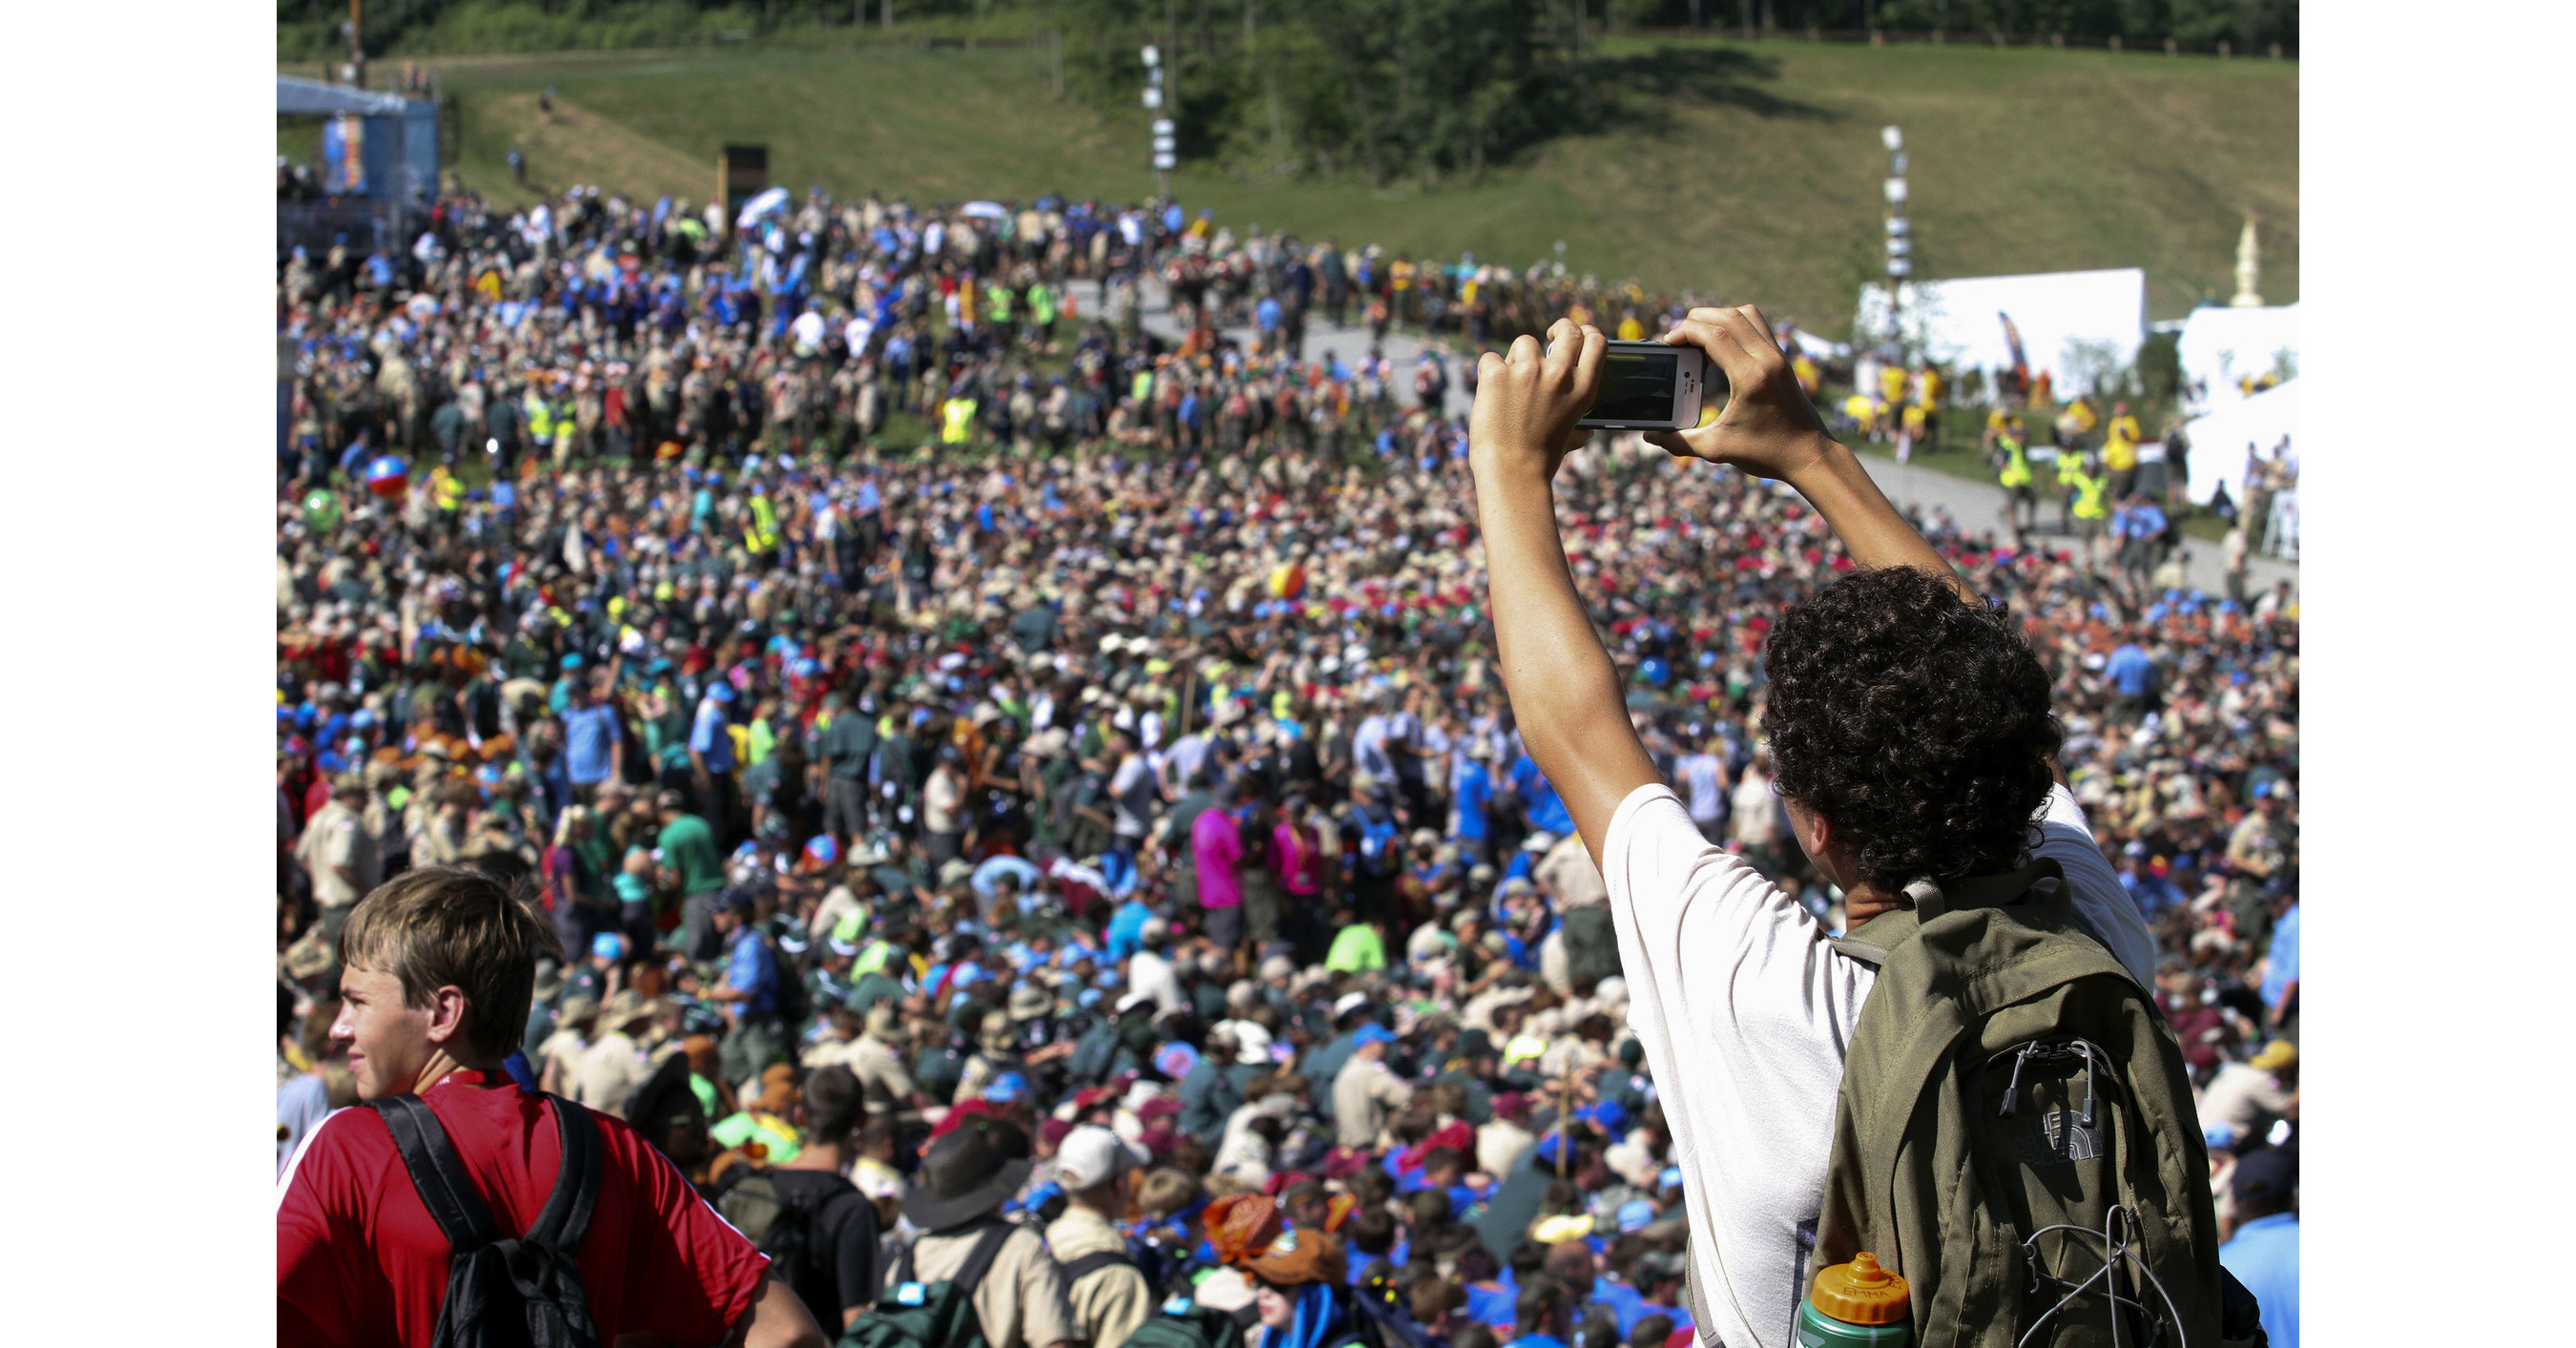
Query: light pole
1900, 240
1165, 146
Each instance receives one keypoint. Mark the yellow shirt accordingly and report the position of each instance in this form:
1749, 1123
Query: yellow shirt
1914, 415
1630, 330
2120, 444
2080, 413
1859, 408
1809, 377
1891, 383
1932, 386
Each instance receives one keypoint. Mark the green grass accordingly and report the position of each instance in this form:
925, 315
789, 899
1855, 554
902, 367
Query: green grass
1760, 187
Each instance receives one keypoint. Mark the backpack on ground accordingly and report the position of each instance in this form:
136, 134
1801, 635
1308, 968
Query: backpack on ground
781, 1221
1183, 1323
503, 1290
2015, 1131
915, 1314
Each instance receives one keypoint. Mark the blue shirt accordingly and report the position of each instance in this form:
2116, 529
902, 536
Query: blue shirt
1492, 1306
2153, 893
753, 969
1475, 788
1546, 810
2132, 670
590, 739
710, 739
2283, 968
1125, 931
2265, 1257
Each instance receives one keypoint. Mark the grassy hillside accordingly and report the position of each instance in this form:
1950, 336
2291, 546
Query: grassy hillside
1754, 175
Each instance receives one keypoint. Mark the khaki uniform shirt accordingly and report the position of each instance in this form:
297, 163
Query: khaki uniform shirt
887, 1086
1110, 1302
609, 1071
1364, 1096
337, 837
1021, 1302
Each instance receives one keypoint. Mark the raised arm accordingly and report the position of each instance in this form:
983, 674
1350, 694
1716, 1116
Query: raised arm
1565, 694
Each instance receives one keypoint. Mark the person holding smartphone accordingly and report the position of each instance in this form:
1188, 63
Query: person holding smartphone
1911, 733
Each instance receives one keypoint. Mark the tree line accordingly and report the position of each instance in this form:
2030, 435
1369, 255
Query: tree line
1394, 91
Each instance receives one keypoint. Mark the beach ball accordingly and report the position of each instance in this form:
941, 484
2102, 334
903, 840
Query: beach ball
321, 511
388, 477
1288, 581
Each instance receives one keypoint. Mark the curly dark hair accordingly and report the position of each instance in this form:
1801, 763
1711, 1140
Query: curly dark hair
1915, 720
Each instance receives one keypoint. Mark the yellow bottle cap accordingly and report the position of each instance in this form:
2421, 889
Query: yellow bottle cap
1861, 1293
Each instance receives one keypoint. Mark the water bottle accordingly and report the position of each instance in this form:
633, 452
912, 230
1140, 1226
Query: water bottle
1855, 1303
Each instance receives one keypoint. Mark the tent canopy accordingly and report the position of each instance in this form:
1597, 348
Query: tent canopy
2220, 346
2071, 322
2218, 440
313, 98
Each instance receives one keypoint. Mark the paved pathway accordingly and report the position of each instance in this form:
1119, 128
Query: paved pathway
1975, 505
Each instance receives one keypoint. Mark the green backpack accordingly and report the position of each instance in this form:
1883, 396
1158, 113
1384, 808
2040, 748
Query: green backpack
2015, 1131
914, 1314
1182, 1323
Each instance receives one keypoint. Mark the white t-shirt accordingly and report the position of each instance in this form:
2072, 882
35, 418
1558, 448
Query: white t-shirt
1747, 1046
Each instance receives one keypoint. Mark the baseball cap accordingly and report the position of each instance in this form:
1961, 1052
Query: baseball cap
1373, 1033
2276, 1055
2266, 1176
1348, 1003
1636, 1215
1006, 1088
608, 945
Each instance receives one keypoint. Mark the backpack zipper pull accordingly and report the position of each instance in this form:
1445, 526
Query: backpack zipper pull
2012, 1089
2091, 1091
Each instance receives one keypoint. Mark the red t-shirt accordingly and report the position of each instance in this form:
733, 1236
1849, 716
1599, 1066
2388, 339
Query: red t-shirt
360, 1260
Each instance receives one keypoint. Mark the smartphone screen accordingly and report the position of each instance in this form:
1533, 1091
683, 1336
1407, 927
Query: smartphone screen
1636, 386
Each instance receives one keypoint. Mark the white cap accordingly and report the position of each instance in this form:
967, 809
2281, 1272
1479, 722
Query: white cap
1092, 1155
1350, 1002
1252, 1043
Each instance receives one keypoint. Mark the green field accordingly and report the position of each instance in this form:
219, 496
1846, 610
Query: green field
1756, 176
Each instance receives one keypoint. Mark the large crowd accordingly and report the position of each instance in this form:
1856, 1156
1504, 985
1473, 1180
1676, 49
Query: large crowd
916, 694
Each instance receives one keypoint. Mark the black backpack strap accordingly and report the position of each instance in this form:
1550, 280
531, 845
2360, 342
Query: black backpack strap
437, 1172
979, 1260
1093, 1262
566, 1217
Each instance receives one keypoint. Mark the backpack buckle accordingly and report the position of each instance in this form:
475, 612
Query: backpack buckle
910, 1294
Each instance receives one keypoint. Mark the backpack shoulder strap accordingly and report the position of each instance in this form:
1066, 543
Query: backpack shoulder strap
437, 1172
1086, 1265
979, 1260
565, 1219
1872, 941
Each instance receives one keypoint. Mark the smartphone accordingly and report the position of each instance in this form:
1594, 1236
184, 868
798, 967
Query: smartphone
1648, 386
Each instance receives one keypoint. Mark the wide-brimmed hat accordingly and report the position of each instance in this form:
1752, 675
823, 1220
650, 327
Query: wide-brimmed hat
1247, 1231
1029, 1003
963, 1176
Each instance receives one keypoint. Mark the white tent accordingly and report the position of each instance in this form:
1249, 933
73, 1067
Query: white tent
2220, 346
2073, 324
2218, 440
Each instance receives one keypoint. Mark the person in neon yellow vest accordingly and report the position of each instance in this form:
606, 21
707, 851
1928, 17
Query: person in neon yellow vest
957, 421
2015, 479
2087, 482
